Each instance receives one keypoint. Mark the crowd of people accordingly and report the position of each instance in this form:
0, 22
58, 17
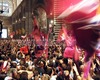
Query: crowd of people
17, 65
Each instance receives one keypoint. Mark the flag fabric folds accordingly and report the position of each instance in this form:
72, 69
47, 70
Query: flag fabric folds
94, 19
41, 39
69, 52
72, 52
86, 9
36, 32
24, 49
64, 36
61, 35
42, 50
83, 15
76, 54
46, 45
87, 69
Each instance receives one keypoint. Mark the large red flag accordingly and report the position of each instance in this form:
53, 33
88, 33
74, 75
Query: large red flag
69, 52
82, 8
44, 50
61, 35
46, 42
64, 36
72, 52
92, 23
93, 19
76, 53
78, 10
37, 38
36, 33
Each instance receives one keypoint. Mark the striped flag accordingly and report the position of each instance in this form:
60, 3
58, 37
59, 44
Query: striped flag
84, 9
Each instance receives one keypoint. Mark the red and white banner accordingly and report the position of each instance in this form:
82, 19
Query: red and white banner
79, 9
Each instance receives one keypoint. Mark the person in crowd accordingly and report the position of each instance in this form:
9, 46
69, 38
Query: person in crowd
15, 65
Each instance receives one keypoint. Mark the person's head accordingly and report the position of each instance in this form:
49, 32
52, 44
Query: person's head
41, 64
18, 67
13, 57
28, 57
30, 68
49, 71
66, 72
60, 78
22, 62
14, 72
24, 76
36, 73
9, 73
64, 66
13, 65
70, 61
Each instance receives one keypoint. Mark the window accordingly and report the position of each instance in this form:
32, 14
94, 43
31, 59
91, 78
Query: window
4, 33
4, 6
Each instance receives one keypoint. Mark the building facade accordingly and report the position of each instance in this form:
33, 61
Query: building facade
22, 18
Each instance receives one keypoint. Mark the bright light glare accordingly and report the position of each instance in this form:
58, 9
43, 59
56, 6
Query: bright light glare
4, 33
51, 21
96, 18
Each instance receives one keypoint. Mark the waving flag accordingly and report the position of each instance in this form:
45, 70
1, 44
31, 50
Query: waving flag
24, 49
66, 4
91, 23
41, 40
84, 19
69, 52
83, 8
94, 19
76, 53
91, 26
36, 33
86, 69
61, 35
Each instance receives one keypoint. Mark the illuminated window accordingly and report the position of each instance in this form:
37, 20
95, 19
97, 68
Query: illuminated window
4, 6
4, 33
